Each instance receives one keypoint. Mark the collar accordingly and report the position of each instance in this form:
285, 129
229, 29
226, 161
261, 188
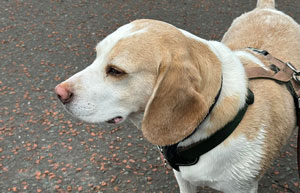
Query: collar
178, 156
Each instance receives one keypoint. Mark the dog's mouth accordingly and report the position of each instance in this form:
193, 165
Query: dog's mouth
115, 120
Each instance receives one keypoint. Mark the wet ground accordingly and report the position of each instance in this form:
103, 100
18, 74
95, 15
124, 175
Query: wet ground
42, 149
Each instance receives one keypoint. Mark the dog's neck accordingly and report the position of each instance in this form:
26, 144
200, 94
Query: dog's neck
232, 96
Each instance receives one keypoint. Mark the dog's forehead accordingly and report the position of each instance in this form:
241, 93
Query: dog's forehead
111, 40
136, 27
131, 44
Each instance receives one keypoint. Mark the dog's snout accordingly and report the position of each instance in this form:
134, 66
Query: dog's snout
63, 93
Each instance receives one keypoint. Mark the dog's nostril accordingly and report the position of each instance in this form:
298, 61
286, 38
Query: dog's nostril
63, 94
69, 99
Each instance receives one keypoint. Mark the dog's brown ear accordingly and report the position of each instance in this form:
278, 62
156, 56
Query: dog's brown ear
181, 98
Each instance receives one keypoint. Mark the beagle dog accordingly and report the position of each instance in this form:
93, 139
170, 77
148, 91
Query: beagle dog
181, 89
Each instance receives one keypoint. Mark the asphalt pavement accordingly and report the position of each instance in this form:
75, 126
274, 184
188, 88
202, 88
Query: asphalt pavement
43, 149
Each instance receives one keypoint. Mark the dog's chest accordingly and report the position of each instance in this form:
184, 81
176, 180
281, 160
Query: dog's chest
237, 159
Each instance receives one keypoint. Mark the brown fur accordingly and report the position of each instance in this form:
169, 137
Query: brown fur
186, 86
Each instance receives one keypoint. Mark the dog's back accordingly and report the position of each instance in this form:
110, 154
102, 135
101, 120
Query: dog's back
266, 28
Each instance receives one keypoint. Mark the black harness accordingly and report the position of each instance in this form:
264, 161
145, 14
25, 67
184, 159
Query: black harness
186, 156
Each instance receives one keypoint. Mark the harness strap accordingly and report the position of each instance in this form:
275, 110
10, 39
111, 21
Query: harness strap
186, 156
283, 73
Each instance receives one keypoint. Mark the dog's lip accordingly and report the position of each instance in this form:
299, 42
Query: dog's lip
115, 120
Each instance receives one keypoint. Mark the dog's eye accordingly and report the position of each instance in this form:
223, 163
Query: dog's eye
114, 71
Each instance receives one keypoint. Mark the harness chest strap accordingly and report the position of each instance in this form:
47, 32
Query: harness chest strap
283, 73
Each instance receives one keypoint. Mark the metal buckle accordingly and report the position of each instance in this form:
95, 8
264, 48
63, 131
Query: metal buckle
295, 76
296, 72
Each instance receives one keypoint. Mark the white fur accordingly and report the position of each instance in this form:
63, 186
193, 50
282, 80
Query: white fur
229, 167
246, 55
192, 36
265, 3
275, 11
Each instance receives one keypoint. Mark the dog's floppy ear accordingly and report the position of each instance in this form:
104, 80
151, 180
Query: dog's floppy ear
181, 98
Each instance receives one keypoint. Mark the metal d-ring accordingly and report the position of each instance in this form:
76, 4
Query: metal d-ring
296, 73
292, 67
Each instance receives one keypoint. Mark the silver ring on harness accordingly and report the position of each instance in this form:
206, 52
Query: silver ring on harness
296, 73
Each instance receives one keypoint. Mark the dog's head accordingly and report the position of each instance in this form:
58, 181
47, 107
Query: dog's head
147, 66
